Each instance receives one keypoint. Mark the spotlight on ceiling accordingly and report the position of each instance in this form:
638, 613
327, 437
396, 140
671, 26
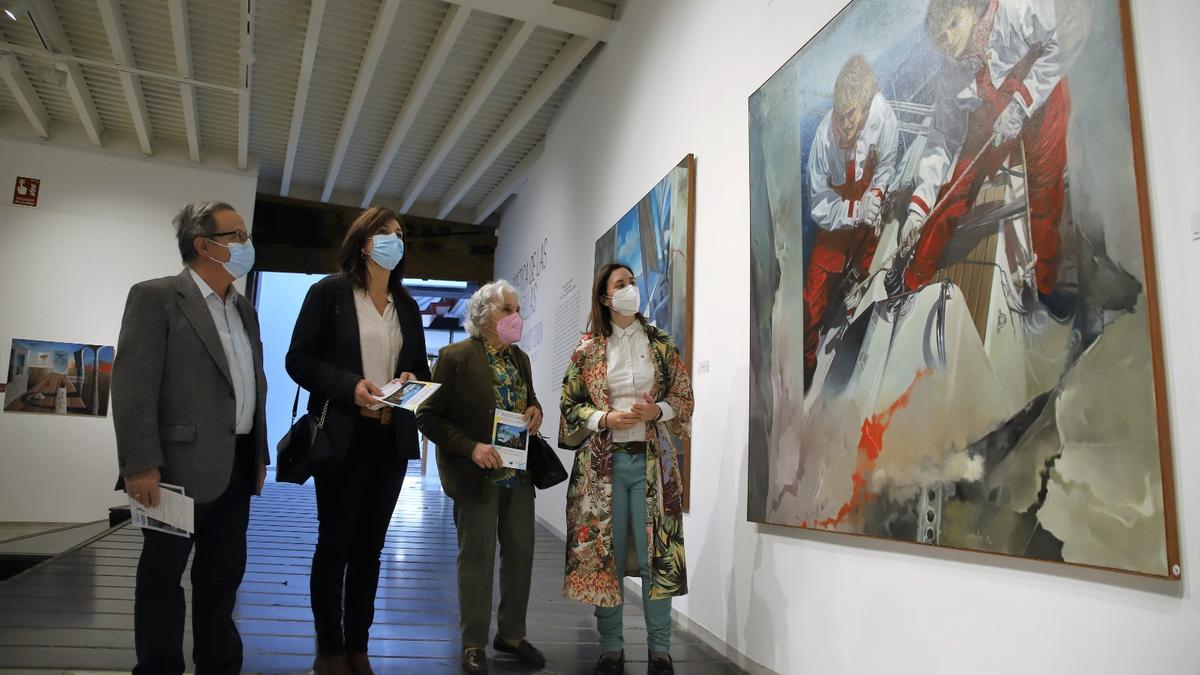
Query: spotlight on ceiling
15, 11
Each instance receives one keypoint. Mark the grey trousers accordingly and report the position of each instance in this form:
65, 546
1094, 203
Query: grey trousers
505, 516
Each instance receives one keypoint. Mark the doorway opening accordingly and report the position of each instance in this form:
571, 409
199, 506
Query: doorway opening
278, 297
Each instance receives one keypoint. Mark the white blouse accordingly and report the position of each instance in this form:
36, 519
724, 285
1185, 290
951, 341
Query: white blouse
631, 373
379, 337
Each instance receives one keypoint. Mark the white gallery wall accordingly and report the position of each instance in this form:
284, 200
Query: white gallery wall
102, 224
674, 80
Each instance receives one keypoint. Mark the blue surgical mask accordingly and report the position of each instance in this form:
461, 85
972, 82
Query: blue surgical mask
387, 250
241, 259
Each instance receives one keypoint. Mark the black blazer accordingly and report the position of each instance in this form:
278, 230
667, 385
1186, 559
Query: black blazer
325, 357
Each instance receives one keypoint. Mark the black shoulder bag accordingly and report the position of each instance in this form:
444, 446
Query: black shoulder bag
305, 448
545, 468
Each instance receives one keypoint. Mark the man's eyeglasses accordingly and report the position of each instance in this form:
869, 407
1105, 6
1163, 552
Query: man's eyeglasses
240, 236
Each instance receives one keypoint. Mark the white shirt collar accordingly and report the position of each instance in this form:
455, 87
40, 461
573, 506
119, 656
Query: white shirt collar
205, 289
623, 333
364, 296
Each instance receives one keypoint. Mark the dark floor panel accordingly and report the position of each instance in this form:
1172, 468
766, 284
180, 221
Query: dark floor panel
76, 612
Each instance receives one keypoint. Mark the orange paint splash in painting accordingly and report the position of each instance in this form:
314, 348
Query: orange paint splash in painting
870, 446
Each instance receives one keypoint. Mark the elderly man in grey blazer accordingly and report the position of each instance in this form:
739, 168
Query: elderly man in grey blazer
189, 403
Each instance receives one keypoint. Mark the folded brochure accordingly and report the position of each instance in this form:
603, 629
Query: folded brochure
175, 513
510, 437
409, 395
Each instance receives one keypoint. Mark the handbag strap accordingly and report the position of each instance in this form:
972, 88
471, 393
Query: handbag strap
325, 407
296, 407
324, 411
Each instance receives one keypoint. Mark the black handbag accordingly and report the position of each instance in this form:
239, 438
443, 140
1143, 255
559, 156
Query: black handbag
545, 468
306, 448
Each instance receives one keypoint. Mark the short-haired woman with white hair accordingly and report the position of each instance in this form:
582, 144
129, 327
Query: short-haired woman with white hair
479, 375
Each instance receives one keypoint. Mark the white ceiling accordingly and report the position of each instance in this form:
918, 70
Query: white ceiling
435, 108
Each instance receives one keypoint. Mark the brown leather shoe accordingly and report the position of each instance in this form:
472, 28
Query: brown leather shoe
332, 665
474, 661
359, 663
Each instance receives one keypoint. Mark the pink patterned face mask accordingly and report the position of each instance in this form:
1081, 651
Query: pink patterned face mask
509, 328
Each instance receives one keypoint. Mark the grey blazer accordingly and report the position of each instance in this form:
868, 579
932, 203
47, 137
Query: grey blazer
172, 394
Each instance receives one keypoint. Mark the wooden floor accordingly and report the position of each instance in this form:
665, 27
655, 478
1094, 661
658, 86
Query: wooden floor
75, 612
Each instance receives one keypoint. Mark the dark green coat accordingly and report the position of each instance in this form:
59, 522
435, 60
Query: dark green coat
460, 413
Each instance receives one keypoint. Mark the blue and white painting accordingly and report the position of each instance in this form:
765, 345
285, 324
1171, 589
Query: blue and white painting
951, 310
654, 238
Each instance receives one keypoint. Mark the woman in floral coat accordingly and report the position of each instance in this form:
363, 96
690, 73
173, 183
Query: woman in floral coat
625, 387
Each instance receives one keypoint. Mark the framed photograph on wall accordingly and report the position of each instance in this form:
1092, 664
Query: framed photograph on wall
656, 239
955, 335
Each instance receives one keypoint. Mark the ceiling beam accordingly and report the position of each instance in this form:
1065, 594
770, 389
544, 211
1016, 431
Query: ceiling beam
509, 185
112, 67
22, 90
183, 64
245, 68
366, 72
316, 14
452, 26
563, 65
510, 45
48, 25
541, 13
118, 39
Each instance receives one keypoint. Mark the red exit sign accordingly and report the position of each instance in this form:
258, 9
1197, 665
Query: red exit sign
25, 193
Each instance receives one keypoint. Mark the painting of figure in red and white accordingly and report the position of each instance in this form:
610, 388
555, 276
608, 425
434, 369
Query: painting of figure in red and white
951, 308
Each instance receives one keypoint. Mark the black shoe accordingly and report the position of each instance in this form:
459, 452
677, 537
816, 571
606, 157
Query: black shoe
474, 661
608, 664
523, 651
660, 665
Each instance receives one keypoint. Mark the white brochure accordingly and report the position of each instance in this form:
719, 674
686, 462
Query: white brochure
175, 513
409, 395
511, 439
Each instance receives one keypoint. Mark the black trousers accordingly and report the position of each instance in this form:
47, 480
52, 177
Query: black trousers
355, 501
220, 562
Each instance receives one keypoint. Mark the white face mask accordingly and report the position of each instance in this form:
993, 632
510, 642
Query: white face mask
626, 301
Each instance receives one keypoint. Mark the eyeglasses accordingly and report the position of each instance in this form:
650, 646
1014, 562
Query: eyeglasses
241, 236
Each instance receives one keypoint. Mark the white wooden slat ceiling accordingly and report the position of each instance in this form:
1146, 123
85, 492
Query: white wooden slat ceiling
434, 112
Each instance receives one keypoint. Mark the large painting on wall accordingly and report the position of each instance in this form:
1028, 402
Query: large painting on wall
655, 238
954, 321
63, 378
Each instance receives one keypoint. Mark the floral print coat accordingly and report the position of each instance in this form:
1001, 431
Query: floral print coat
591, 574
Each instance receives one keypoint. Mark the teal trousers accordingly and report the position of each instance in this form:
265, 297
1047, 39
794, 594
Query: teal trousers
629, 507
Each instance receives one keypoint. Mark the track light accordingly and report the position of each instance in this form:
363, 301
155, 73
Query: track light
15, 11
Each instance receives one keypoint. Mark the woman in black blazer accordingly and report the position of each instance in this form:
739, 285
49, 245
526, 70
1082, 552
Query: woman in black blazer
357, 330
